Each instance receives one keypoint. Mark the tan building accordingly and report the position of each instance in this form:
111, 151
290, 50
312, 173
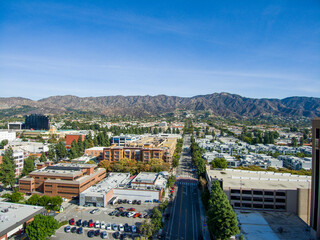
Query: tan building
63, 179
95, 152
315, 196
259, 190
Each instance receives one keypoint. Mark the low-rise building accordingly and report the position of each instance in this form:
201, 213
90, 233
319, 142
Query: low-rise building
7, 135
295, 163
95, 152
15, 217
63, 179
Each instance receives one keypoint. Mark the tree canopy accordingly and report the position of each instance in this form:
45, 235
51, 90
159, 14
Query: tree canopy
42, 227
7, 169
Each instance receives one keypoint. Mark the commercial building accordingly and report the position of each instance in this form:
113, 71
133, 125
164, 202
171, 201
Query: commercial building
261, 190
28, 147
63, 179
7, 135
95, 152
71, 137
124, 140
15, 217
145, 186
315, 195
15, 125
37, 122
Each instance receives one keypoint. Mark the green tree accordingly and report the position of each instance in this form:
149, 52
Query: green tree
14, 197
43, 157
33, 200
51, 153
294, 142
80, 146
156, 218
28, 165
7, 169
42, 227
3, 143
74, 151
222, 220
219, 163
147, 229
61, 151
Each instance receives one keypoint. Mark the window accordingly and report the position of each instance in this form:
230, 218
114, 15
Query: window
235, 197
269, 200
258, 199
280, 200
246, 198
246, 205
257, 205
257, 192
235, 191
237, 204
280, 193
246, 192
268, 206
268, 193
281, 207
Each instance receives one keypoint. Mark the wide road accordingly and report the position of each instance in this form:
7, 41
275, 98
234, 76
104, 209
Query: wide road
185, 222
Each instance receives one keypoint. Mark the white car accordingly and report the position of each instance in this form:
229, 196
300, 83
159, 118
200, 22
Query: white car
108, 226
129, 201
121, 228
114, 227
102, 225
97, 224
131, 214
133, 229
104, 235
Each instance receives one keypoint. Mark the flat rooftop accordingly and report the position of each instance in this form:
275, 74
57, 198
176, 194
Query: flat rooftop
12, 215
232, 178
96, 148
113, 180
266, 225
146, 177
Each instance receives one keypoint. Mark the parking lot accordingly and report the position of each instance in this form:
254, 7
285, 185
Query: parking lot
76, 212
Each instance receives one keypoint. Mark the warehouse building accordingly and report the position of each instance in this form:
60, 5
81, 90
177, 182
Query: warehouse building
259, 190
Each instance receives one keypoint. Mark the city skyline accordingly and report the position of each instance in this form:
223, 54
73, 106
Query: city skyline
266, 49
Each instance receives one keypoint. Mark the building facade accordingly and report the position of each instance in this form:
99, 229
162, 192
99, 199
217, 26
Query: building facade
71, 137
315, 195
65, 180
37, 122
7, 135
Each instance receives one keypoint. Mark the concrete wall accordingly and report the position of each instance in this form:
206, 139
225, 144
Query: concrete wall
135, 194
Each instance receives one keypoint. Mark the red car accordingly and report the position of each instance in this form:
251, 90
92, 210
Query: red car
131, 209
71, 221
90, 223
136, 215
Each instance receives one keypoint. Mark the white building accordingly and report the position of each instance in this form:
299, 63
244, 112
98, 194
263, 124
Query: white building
7, 135
18, 160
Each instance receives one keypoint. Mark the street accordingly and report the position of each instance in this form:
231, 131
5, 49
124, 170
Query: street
185, 220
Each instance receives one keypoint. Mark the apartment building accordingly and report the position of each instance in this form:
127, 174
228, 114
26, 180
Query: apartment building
315, 195
259, 190
63, 179
7, 135
94, 152
18, 158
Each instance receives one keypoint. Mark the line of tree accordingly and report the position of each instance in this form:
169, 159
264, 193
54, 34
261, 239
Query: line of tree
197, 159
257, 136
50, 203
222, 220
188, 127
134, 167
279, 170
177, 153
219, 163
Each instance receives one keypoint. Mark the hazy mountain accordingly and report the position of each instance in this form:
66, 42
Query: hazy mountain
219, 104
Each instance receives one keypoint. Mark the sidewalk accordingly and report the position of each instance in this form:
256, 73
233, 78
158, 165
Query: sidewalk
205, 230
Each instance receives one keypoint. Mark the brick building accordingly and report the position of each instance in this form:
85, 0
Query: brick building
63, 179
71, 137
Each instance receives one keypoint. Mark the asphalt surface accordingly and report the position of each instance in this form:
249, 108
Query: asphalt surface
185, 222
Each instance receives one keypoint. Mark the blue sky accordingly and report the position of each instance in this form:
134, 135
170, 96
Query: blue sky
261, 49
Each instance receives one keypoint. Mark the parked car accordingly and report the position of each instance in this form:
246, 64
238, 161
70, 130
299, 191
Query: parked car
120, 201
71, 221
133, 229
116, 235
102, 225
131, 214
74, 229
80, 230
129, 201
91, 233
97, 224
90, 223
97, 232
139, 202
79, 223
123, 214
127, 228
124, 201
114, 227
117, 214
94, 211
108, 226
131, 209
104, 235
121, 228
136, 215
85, 223
134, 201
112, 213
121, 209
67, 229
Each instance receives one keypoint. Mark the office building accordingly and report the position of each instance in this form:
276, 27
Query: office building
63, 179
15, 217
259, 190
15, 125
315, 195
37, 122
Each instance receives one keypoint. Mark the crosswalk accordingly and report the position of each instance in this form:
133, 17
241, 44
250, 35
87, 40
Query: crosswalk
187, 183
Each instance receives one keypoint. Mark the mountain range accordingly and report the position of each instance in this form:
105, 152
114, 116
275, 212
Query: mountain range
218, 104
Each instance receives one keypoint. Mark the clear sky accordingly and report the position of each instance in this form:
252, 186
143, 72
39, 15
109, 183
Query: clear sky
258, 48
